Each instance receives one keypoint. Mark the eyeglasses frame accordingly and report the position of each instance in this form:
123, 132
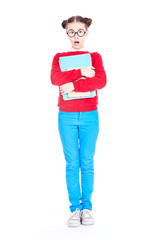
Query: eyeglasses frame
76, 32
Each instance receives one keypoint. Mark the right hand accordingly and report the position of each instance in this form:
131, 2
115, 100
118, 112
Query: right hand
88, 71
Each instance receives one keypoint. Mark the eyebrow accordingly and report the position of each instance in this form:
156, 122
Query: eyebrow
77, 30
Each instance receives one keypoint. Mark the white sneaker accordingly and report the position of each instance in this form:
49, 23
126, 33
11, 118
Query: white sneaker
75, 219
86, 217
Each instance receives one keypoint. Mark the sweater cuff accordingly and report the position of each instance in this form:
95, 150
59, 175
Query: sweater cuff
76, 86
78, 73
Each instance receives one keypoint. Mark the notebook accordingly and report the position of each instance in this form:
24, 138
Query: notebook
75, 62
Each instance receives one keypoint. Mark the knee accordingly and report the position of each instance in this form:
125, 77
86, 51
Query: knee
72, 167
87, 167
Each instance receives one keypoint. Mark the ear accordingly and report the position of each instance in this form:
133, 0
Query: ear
87, 33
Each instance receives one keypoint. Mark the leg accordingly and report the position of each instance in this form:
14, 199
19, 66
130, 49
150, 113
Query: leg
88, 133
68, 131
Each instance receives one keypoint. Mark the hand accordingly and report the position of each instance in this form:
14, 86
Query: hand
66, 88
88, 71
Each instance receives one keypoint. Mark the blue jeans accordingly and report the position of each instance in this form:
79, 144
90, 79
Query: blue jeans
78, 133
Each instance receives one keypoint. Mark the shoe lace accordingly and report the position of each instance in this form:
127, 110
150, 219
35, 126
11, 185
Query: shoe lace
75, 214
86, 213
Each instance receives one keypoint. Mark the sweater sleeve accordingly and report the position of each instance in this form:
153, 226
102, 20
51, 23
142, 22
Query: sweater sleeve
58, 77
97, 82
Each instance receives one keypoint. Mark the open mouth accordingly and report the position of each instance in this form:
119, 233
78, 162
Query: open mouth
76, 42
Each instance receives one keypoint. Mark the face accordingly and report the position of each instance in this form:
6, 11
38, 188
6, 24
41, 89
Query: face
77, 42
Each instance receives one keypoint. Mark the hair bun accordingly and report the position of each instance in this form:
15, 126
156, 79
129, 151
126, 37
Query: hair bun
64, 23
88, 21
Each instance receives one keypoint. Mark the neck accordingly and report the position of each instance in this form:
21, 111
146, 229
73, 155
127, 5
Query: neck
74, 49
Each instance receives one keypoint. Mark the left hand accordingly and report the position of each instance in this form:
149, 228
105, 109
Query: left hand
66, 88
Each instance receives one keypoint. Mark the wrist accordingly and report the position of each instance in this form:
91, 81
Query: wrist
72, 86
82, 71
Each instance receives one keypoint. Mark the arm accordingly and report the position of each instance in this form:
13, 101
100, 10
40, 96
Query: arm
59, 78
92, 83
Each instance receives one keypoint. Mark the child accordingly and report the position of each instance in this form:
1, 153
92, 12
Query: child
78, 120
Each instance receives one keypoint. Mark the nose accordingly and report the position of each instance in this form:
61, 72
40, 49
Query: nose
76, 36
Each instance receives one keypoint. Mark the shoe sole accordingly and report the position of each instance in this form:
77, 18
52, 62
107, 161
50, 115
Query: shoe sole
87, 223
73, 225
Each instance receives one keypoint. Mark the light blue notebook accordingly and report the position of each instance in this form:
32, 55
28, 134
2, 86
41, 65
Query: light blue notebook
73, 62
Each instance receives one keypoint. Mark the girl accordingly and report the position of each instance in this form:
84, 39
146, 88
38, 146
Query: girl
78, 120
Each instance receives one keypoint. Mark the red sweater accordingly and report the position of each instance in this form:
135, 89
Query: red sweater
59, 78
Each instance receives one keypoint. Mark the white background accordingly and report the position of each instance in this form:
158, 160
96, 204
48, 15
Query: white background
34, 201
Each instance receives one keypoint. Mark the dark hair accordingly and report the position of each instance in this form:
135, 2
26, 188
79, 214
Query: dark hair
87, 21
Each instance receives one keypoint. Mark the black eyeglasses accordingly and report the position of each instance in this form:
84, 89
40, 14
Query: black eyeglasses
72, 33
